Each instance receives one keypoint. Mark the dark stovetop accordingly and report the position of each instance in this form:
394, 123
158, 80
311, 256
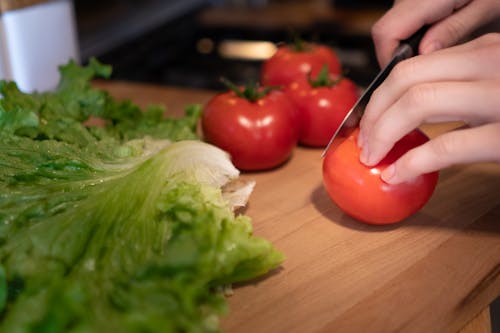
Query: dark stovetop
164, 49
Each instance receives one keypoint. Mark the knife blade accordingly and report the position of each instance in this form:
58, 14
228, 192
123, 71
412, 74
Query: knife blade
406, 49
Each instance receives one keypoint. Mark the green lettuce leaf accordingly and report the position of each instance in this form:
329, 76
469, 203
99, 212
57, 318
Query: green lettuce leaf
123, 228
61, 114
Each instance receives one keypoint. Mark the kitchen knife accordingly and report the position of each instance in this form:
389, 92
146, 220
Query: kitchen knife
406, 49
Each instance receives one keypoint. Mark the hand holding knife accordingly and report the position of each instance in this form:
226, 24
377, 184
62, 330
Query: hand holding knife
407, 49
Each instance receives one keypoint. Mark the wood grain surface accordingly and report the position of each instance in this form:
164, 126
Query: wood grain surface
434, 272
479, 324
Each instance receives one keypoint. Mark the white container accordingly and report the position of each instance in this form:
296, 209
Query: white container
35, 40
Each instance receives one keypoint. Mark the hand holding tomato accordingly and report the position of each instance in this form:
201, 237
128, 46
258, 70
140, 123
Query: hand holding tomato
256, 126
442, 87
296, 61
322, 104
361, 193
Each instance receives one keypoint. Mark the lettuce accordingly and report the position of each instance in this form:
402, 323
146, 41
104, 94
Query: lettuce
124, 228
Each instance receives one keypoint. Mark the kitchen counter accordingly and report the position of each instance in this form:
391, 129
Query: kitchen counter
434, 272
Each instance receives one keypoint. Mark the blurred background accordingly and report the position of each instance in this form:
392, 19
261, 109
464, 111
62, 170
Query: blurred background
194, 42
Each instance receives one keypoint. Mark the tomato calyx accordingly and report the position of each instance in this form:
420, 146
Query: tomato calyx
252, 92
299, 45
324, 79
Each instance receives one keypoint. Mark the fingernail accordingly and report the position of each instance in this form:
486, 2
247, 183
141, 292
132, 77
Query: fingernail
388, 175
431, 47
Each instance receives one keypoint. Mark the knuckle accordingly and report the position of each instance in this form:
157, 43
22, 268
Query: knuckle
419, 95
456, 29
486, 51
375, 97
402, 71
410, 163
380, 137
378, 31
445, 145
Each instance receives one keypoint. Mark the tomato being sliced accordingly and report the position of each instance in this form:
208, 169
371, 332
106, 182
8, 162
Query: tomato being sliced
360, 192
291, 62
259, 129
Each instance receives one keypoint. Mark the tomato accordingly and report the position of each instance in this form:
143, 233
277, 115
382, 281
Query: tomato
290, 62
321, 108
360, 192
259, 134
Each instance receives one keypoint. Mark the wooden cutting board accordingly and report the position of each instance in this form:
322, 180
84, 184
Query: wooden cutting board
432, 273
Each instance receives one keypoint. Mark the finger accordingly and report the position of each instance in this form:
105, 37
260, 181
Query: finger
468, 62
404, 19
460, 24
471, 102
488, 39
479, 144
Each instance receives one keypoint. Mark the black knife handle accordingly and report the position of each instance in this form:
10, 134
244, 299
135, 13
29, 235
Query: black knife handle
409, 47
415, 39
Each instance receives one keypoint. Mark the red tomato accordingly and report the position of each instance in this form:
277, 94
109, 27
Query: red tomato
321, 109
288, 64
258, 135
360, 192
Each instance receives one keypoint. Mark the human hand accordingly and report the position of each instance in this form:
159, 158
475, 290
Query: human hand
451, 20
461, 83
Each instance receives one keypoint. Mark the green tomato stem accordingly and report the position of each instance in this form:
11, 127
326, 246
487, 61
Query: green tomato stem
323, 79
251, 92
